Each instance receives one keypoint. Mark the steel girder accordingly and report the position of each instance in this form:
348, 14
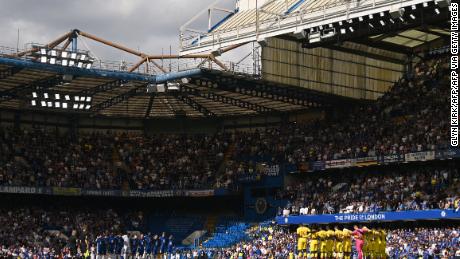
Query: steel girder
43, 83
150, 105
118, 99
103, 87
287, 94
225, 99
184, 97
10, 71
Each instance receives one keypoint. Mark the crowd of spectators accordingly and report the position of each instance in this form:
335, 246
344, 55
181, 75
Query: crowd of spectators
107, 160
410, 117
75, 232
173, 161
41, 158
424, 243
79, 233
277, 242
269, 241
418, 188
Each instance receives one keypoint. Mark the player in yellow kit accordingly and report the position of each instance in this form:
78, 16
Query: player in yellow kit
322, 236
313, 253
366, 239
330, 237
338, 245
303, 233
382, 243
346, 243
372, 247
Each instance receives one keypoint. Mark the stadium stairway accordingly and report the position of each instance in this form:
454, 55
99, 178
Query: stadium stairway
120, 167
227, 157
210, 223
181, 227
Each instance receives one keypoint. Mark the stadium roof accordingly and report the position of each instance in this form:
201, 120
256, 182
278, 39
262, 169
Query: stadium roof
208, 93
205, 93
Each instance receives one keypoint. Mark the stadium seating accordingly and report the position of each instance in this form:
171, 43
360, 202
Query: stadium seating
411, 117
227, 235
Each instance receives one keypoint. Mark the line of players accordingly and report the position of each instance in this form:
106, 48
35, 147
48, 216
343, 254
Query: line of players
340, 243
134, 246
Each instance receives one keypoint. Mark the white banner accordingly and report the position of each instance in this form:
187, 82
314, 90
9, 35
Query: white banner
420, 156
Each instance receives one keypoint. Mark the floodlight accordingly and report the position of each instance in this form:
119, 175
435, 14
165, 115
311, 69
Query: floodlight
73, 55
43, 59
50, 104
361, 19
46, 95
437, 11
57, 96
67, 97
88, 66
43, 51
64, 54
64, 105
52, 61
371, 16
343, 31
75, 105
371, 25
80, 64
351, 29
71, 63
82, 106
414, 7
88, 99
392, 21
425, 4
88, 107
57, 104
34, 94
34, 103
382, 14
82, 56
53, 53
43, 103
412, 16
77, 98
65, 62
382, 22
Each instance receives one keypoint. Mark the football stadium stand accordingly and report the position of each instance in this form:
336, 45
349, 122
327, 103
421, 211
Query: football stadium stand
339, 148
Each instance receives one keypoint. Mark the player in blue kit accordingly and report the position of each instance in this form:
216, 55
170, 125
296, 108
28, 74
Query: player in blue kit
133, 246
170, 244
118, 246
162, 243
155, 243
148, 246
111, 245
101, 247
140, 246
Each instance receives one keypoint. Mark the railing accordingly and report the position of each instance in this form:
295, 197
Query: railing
170, 65
274, 23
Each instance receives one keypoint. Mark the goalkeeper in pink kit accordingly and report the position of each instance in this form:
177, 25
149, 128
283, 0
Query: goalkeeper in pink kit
358, 235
